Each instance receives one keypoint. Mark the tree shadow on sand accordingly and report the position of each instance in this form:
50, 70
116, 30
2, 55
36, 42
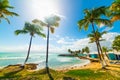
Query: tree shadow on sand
68, 78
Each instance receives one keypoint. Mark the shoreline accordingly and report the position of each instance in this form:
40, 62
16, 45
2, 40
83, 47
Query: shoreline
63, 68
76, 66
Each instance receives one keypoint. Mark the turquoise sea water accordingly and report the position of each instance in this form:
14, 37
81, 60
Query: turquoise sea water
55, 61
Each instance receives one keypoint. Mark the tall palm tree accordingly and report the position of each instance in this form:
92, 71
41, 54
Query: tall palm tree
91, 17
51, 22
31, 29
4, 10
98, 38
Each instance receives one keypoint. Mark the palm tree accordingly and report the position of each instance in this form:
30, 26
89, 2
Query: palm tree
51, 22
91, 17
4, 10
116, 44
32, 29
105, 50
69, 50
115, 9
83, 50
87, 50
98, 38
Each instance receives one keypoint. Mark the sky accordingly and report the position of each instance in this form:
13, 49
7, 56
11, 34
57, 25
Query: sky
66, 36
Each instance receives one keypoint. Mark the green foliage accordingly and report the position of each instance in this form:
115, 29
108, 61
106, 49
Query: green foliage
96, 36
85, 73
51, 21
116, 43
105, 49
93, 16
115, 10
87, 50
81, 74
4, 10
31, 29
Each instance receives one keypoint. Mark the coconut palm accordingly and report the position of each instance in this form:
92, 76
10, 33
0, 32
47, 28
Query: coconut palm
94, 17
4, 10
87, 50
51, 22
83, 50
31, 29
98, 38
116, 44
105, 50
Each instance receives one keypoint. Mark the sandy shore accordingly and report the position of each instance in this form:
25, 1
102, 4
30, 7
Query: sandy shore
92, 65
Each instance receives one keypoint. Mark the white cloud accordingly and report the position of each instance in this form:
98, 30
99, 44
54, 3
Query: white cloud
109, 37
108, 29
66, 43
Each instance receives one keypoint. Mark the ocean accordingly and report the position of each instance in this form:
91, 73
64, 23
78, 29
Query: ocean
55, 61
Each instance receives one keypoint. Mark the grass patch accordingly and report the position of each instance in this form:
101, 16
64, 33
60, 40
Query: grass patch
84, 73
81, 74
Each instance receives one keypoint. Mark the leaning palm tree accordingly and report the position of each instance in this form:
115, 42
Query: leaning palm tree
4, 10
94, 17
98, 38
51, 22
31, 29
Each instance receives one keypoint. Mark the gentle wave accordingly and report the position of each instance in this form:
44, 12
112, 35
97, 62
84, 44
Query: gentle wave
64, 59
8, 58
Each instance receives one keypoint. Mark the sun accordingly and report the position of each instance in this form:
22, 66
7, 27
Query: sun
42, 8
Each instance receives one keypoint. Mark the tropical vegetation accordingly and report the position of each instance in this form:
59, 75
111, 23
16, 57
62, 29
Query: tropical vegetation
31, 29
51, 22
94, 17
4, 10
116, 43
115, 10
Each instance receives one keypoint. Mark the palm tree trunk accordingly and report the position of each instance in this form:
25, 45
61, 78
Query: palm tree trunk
47, 50
97, 44
28, 51
101, 60
102, 55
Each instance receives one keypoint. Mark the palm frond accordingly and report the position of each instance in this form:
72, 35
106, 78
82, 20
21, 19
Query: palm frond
115, 17
52, 29
41, 34
99, 11
40, 22
104, 21
52, 20
81, 23
2, 16
17, 32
